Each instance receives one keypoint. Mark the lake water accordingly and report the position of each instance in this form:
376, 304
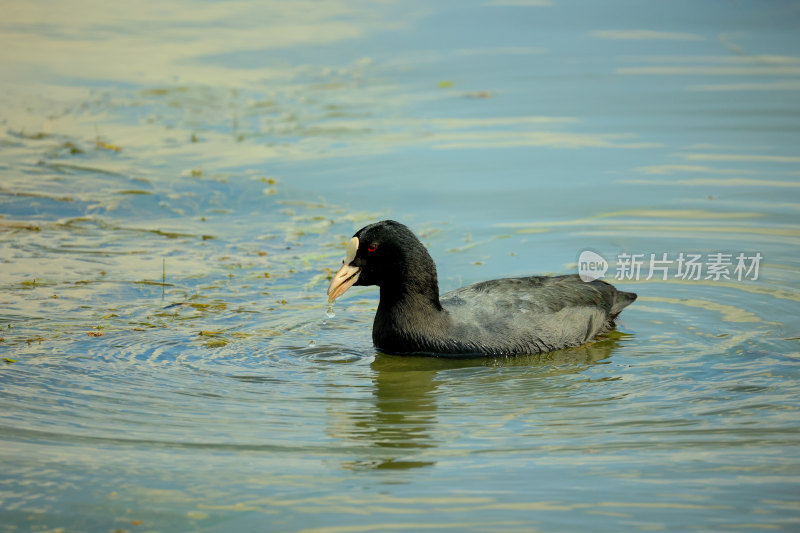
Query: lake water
177, 180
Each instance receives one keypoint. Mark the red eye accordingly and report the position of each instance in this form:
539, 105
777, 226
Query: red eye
372, 247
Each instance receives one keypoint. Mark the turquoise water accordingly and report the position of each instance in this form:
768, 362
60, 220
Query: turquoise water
178, 180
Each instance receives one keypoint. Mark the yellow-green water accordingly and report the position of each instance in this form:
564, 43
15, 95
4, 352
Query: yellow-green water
178, 179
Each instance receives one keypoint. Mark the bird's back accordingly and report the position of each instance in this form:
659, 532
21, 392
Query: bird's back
531, 314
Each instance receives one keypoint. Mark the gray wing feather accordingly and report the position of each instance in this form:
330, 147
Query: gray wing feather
532, 314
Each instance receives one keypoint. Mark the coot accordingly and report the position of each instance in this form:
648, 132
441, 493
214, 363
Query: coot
499, 317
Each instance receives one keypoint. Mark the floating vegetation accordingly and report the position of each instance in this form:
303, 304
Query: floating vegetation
134, 191
71, 168
73, 148
161, 91
20, 225
217, 306
38, 136
108, 146
215, 339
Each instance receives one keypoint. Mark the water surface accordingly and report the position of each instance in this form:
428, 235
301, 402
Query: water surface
177, 182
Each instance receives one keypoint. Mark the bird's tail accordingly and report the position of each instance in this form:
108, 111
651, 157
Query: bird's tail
621, 301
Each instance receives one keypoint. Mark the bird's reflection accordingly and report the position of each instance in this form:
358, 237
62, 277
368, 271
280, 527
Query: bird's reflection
399, 427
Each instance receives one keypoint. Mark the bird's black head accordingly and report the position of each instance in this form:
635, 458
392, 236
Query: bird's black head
386, 254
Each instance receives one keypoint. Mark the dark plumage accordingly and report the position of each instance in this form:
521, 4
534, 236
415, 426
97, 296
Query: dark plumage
499, 317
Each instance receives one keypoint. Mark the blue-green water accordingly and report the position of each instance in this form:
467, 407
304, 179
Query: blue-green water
178, 179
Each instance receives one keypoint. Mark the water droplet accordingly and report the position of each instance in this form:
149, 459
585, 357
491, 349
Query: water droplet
329, 312
311, 344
